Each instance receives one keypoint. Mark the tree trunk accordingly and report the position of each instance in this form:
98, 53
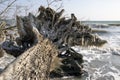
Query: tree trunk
34, 64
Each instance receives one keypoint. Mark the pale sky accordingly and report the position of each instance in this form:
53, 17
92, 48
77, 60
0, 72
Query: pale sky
84, 9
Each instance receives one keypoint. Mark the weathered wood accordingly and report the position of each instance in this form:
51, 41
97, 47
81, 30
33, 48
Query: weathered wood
67, 64
1, 52
63, 31
2, 25
34, 64
2, 35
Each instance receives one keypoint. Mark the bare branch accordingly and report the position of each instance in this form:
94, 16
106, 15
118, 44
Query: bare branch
52, 2
61, 5
8, 7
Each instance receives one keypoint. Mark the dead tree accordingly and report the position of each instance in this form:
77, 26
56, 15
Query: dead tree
35, 54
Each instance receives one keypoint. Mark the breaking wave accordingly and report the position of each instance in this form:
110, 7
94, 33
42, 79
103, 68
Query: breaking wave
103, 63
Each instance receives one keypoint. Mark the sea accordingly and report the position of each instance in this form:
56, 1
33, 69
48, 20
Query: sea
100, 22
100, 63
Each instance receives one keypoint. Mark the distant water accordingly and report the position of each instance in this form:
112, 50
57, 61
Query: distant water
100, 22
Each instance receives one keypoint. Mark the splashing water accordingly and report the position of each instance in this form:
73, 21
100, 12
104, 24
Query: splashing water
103, 63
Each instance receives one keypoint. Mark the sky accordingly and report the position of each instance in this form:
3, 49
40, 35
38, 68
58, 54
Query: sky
83, 9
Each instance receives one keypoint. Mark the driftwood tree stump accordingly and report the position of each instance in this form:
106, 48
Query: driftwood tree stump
41, 41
